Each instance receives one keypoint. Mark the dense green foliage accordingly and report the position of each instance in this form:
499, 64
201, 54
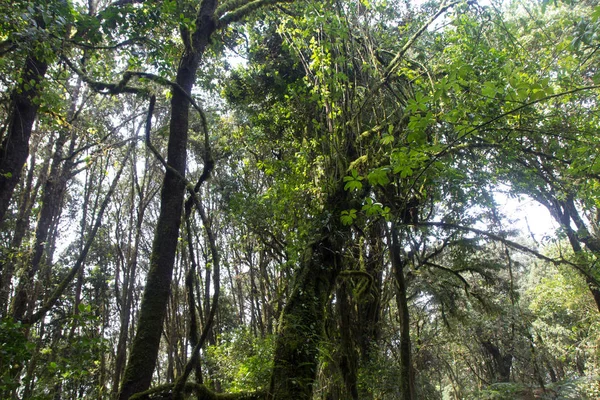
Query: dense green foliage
299, 199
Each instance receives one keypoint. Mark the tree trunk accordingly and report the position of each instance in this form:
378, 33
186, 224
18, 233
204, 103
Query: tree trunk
15, 146
144, 351
302, 323
564, 211
368, 327
10, 259
407, 391
348, 362
52, 195
502, 363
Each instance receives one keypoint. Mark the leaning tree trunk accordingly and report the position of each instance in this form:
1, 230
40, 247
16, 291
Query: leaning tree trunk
144, 351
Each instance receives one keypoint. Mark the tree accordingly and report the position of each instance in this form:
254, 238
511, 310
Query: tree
327, 225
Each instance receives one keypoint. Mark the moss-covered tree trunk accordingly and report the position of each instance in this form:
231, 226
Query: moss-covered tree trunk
302, 322
144, 351
348, 362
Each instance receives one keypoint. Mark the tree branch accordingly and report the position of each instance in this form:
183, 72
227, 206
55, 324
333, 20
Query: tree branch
395, 63
235, 10
514, 245
450, 271
108, 88
454, 142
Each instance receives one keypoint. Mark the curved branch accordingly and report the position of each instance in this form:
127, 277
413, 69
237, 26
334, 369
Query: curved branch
121, 87
107, 88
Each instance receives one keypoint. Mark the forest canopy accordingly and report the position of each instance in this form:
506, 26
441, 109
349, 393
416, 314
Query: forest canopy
288, 200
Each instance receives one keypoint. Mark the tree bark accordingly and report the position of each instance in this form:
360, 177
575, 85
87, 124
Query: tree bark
348, 362
15, 146
52, 195
502, 363
11, 258
144, 351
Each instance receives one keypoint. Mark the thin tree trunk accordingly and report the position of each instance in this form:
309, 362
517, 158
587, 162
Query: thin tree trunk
407, 391
52, 199
7, 265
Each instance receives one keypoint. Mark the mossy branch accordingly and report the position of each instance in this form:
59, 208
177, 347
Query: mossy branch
367, 280
235, 10
395, 63
355, 273
108, 88
228, 6
121, 87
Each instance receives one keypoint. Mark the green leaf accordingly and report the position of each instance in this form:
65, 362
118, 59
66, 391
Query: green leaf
489, 90
386, 139
353, 181
353, 185
348, 217
379, 176
596, 14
